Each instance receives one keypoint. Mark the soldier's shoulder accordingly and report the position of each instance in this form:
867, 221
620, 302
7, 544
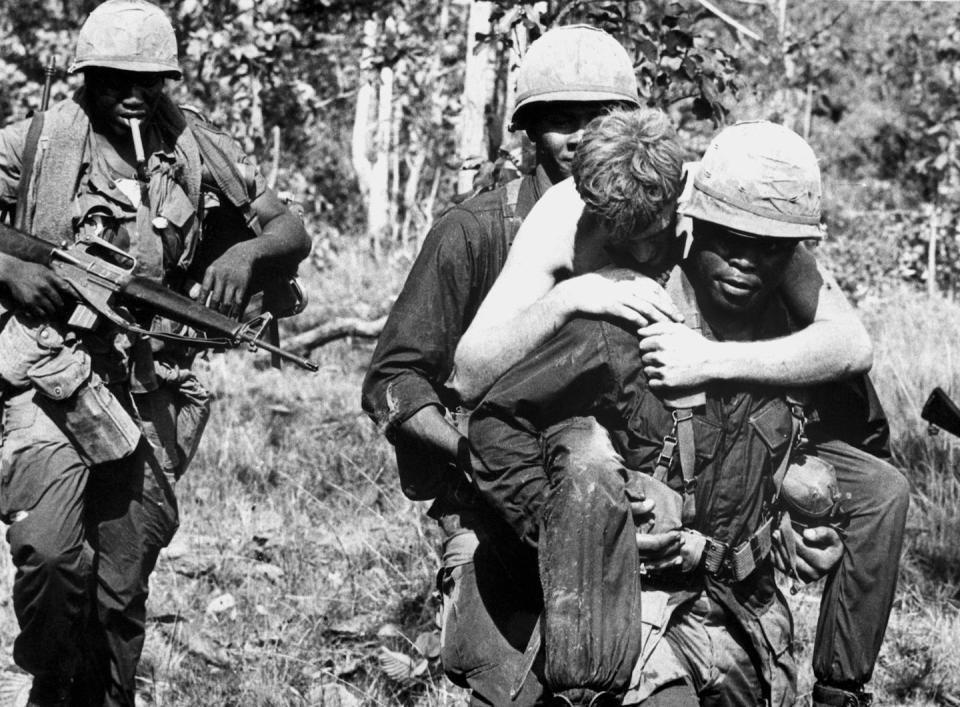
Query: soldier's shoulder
489, 200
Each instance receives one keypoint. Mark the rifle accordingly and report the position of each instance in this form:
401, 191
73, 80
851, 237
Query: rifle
941, 412
101, 274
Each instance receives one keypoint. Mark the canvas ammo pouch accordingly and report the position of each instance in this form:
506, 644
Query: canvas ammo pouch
82, 406
174, 416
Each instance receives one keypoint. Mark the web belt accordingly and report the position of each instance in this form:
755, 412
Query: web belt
721, 560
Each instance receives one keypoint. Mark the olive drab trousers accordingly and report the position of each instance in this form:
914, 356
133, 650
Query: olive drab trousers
859, 592
84, 541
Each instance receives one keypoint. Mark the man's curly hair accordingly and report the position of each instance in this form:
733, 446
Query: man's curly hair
627, 169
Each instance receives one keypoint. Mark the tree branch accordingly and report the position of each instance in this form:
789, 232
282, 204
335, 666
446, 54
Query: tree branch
340, 328
710, 7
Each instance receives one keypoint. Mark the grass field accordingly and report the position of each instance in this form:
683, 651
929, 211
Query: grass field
302, 576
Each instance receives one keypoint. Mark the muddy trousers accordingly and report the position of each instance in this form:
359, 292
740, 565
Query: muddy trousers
84, 541
490, 602
587, 484
589, 566
859, 593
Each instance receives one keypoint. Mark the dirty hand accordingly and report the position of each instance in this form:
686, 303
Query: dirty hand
226, 280
35, 289
620, 293
818, 552
660, 551
675, 356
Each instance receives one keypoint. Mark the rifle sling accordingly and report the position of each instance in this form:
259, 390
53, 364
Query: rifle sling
26, 168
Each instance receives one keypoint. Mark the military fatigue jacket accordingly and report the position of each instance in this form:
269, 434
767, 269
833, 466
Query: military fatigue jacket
458, 263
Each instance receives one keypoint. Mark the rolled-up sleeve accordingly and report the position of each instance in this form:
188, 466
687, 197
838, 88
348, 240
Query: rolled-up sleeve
13, 138
415, 351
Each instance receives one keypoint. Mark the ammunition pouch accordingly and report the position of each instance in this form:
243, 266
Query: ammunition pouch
811, 495
81, 405
174, 416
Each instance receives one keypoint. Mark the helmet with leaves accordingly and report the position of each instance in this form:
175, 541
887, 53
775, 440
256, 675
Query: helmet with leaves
130, 35
575, 63
760, 178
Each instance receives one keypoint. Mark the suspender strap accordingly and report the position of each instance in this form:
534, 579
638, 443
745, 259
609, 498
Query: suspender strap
26, 169
798, 423
682, 443
687, 444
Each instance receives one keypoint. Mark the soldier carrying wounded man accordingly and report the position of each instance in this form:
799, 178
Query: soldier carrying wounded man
725, 455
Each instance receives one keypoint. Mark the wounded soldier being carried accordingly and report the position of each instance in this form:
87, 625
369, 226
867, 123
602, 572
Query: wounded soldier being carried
659, 520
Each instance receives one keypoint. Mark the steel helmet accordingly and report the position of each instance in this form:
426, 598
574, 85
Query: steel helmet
574, 63
761, 178
131, 35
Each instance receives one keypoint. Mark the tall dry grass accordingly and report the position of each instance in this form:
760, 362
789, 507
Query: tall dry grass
299, 563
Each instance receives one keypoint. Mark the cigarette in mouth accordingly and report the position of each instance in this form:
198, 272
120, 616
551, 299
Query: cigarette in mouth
137, 139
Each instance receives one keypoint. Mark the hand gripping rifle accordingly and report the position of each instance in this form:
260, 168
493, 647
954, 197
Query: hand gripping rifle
102, 276
941, 412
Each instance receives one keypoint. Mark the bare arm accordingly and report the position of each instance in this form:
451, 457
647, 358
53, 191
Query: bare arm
526, 305
834, 346
283, 243
429, 426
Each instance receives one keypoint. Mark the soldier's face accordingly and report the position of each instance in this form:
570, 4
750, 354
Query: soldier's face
737, 274
117, 96
556, 131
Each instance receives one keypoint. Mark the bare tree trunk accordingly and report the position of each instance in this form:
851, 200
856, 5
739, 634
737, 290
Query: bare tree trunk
410, 191
478, 82
378, 206
395, 193
360, 143
932, 252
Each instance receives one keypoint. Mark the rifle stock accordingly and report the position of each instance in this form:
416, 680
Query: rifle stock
99, 272
941, 411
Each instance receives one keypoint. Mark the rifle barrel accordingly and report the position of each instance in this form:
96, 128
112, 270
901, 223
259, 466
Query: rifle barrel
293, 358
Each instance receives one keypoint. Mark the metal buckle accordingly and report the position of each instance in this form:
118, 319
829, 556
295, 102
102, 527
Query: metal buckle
714, 555
667, 450
682, 415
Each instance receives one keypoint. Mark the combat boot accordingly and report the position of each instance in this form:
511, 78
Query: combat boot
829, 696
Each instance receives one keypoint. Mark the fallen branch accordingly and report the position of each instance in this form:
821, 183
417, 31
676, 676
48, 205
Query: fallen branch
331, 331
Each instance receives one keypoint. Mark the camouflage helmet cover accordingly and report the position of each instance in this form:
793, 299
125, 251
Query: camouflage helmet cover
761, 178
575, 63
130, 35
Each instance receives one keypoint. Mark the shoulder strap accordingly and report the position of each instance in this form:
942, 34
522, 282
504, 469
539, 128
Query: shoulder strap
681, 440
26, 168
224, 171
509, 196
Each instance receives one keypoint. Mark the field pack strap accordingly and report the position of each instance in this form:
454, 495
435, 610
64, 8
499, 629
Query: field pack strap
681, 442
529, 656
26, 168
509, 197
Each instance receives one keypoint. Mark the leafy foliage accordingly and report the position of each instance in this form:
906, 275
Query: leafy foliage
674, 48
